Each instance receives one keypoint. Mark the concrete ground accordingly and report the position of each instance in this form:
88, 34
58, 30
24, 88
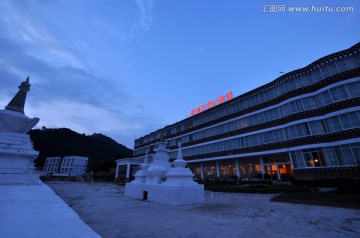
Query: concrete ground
105, 209
35, 211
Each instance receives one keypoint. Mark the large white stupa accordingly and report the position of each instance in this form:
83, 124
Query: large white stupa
162, 183
16, 149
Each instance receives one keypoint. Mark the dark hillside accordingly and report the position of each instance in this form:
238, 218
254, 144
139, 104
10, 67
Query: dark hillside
101, 150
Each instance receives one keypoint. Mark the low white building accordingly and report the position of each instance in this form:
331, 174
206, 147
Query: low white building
66, 166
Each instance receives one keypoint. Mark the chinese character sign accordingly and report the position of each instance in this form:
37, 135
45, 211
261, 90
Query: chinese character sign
212, 103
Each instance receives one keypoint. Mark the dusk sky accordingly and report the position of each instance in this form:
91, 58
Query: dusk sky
126, 68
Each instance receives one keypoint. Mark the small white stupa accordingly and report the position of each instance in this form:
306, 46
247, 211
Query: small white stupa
179, 175
140, 176
161, 183
160, 165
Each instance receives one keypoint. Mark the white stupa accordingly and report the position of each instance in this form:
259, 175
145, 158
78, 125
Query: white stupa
161, 183
16, 149
160, 165
179, 175
140, 176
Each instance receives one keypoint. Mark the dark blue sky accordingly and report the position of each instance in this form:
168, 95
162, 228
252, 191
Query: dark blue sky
126, 68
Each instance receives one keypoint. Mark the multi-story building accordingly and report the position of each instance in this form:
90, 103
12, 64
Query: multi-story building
67, 166
304, 124
52, 165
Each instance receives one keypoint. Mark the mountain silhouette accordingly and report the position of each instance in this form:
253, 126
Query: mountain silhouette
101, 150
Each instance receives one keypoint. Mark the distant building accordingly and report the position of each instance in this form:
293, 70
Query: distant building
304, 124
52, 165
67, 166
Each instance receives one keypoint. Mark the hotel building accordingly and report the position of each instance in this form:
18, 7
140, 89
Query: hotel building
304, 124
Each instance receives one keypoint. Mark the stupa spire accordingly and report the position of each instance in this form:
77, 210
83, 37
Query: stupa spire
18, 102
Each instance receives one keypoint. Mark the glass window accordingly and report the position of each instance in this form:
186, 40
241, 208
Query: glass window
345, 121
297, 159
333, 69
317, 75
339, 155
343, 92
302, 81
308, 159
335, 94
281, 88
278, 135
300, 105
293, 107
288, 86
308, 103
326, 98
341, 65
291, 132
357, 58
334, 124
325, 71
330, 156
316, 128
347, 155
350, 62
302, 130
259, 139
354, 89
356, 151
355, 119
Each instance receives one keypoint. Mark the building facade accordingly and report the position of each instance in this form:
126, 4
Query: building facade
52, 165
66, 166
304, 124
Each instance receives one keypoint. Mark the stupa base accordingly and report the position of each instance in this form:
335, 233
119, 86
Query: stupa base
166, 194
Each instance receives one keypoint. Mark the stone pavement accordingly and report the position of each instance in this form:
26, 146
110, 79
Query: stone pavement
35, 211
104, 207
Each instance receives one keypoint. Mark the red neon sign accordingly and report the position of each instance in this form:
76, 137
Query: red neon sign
212, 103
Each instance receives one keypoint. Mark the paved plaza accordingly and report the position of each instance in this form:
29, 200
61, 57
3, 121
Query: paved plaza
105, 209
35, 211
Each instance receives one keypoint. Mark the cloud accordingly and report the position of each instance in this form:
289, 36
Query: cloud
66, 56
146, 16
88, 118
145, 19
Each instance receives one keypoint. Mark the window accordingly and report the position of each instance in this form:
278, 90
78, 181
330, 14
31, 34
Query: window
309, 103
331, 157
332, 68
293, 107
291, 132
297, 159
325, 71
326, 98
344, 94
334, 124
316, 128
317, 75
302, 130
347, 155
335, 94
356, 151
341, 65
300, 105
286, 110
281, 88
278, 135
302, 81
345, 121
350, 63
354, 89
